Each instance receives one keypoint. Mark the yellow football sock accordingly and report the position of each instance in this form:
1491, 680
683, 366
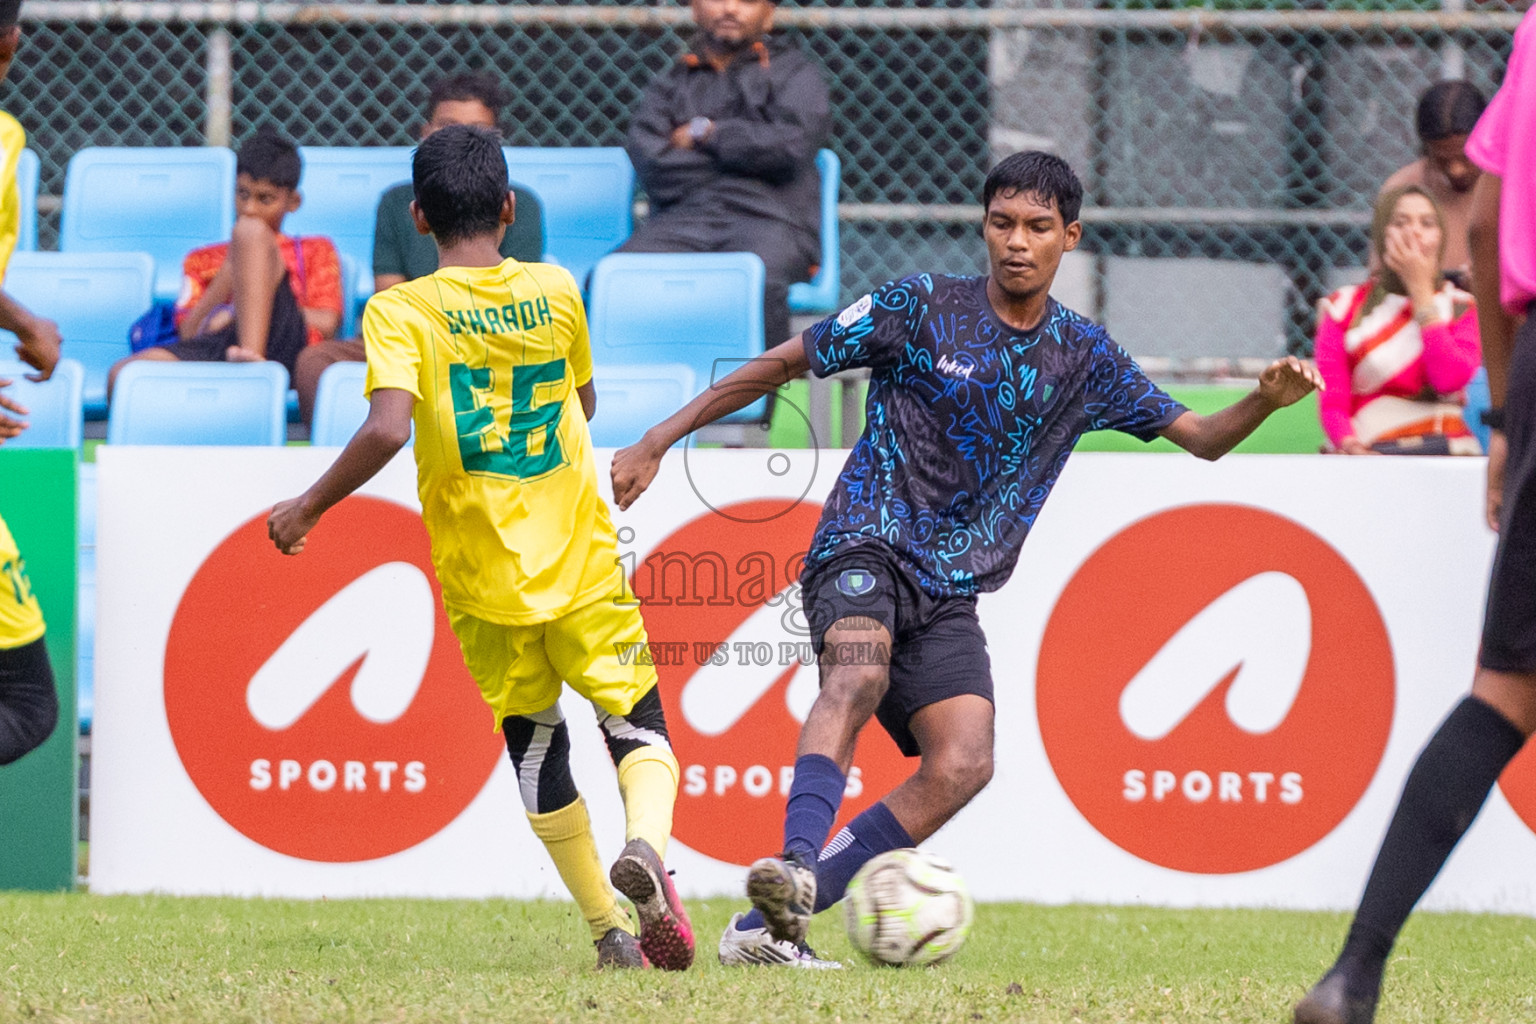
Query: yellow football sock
648, 784
567, 835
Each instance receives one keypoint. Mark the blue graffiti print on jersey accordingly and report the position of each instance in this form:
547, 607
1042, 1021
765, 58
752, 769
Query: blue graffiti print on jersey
969, 423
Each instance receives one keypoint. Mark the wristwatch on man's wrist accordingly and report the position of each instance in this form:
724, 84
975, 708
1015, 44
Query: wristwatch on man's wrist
1493, 419
699, 129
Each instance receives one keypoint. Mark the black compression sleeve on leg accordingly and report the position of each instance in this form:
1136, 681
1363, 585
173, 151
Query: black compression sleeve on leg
645, 725
541, 756
29, 706
1443, 794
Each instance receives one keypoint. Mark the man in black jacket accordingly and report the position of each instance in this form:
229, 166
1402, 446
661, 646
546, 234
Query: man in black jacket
725, 143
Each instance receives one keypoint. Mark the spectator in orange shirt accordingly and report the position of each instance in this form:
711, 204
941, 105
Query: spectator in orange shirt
262, 294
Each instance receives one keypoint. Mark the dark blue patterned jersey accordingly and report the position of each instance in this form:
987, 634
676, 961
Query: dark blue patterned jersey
968, 424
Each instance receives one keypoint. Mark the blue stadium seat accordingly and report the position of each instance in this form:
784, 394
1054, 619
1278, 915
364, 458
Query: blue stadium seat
166, 202
28, 171
631, 399
94, 298
85, 607
341, 188
587, 195
1477, 403
199, 403
821, 293
340, 407
704, 310
53, 407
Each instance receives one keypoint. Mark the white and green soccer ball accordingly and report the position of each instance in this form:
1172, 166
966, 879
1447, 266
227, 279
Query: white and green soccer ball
908, 908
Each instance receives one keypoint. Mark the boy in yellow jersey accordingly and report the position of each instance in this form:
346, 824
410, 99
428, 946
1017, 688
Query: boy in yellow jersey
490, 357
29, 707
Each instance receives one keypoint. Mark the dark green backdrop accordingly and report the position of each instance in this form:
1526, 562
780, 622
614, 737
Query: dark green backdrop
38, 793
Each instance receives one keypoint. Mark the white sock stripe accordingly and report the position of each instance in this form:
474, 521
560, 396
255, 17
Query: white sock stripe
620, 728
533, 765
839, 843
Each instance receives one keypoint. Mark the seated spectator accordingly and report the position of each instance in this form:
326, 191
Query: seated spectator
400, 252
1446, 114
261, 295
724, 143
1396, 351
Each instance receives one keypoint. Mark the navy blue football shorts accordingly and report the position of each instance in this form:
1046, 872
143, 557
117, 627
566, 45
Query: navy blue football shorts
938, 651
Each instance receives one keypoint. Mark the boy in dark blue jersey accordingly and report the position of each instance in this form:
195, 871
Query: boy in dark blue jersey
979, 388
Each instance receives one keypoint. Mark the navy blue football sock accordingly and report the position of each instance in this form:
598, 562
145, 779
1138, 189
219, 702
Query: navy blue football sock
814, 798
872, 833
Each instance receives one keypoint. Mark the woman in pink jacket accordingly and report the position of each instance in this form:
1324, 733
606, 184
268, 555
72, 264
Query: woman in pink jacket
1397, 351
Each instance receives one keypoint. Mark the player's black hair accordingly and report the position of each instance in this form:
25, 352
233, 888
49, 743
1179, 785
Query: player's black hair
268, 156
1039, 175
477, 85
1449, 108
10, 13
460, 178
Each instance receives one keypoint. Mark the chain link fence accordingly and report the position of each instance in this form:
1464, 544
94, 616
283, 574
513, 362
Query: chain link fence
1230, 152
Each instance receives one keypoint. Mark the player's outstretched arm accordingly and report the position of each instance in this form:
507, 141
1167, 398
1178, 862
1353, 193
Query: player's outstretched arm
635, 467
1284, 382
386, 430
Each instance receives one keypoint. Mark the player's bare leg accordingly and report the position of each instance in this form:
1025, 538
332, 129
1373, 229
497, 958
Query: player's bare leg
783, 888
956, 737
1444, 793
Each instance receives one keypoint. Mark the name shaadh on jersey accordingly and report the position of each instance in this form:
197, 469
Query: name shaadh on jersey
515, 316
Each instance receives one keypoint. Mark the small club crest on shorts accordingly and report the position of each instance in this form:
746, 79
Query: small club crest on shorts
855, 582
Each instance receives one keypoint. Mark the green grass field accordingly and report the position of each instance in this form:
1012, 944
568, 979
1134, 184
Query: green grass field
95, 958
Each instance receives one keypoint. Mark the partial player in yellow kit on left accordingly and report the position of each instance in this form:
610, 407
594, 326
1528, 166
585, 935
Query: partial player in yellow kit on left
29, 707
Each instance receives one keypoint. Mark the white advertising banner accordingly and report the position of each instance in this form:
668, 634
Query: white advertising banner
1211, 681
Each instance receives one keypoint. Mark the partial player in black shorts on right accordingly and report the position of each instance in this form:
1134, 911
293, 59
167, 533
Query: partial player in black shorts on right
979, 388
1458, 767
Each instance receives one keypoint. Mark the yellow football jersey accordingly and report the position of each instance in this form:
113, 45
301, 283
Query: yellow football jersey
21, 620
12, 141
503, 456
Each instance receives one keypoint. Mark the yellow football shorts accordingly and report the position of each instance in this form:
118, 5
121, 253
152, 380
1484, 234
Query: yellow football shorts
599, 649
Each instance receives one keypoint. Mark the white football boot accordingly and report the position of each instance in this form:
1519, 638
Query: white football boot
756, 947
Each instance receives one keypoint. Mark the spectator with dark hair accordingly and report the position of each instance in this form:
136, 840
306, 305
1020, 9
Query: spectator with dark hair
262, 294
1446, 115
400, 252
724, 143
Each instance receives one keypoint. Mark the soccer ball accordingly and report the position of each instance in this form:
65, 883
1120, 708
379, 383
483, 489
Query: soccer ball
908, 908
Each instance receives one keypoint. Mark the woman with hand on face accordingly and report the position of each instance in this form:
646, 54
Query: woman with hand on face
1397, 351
